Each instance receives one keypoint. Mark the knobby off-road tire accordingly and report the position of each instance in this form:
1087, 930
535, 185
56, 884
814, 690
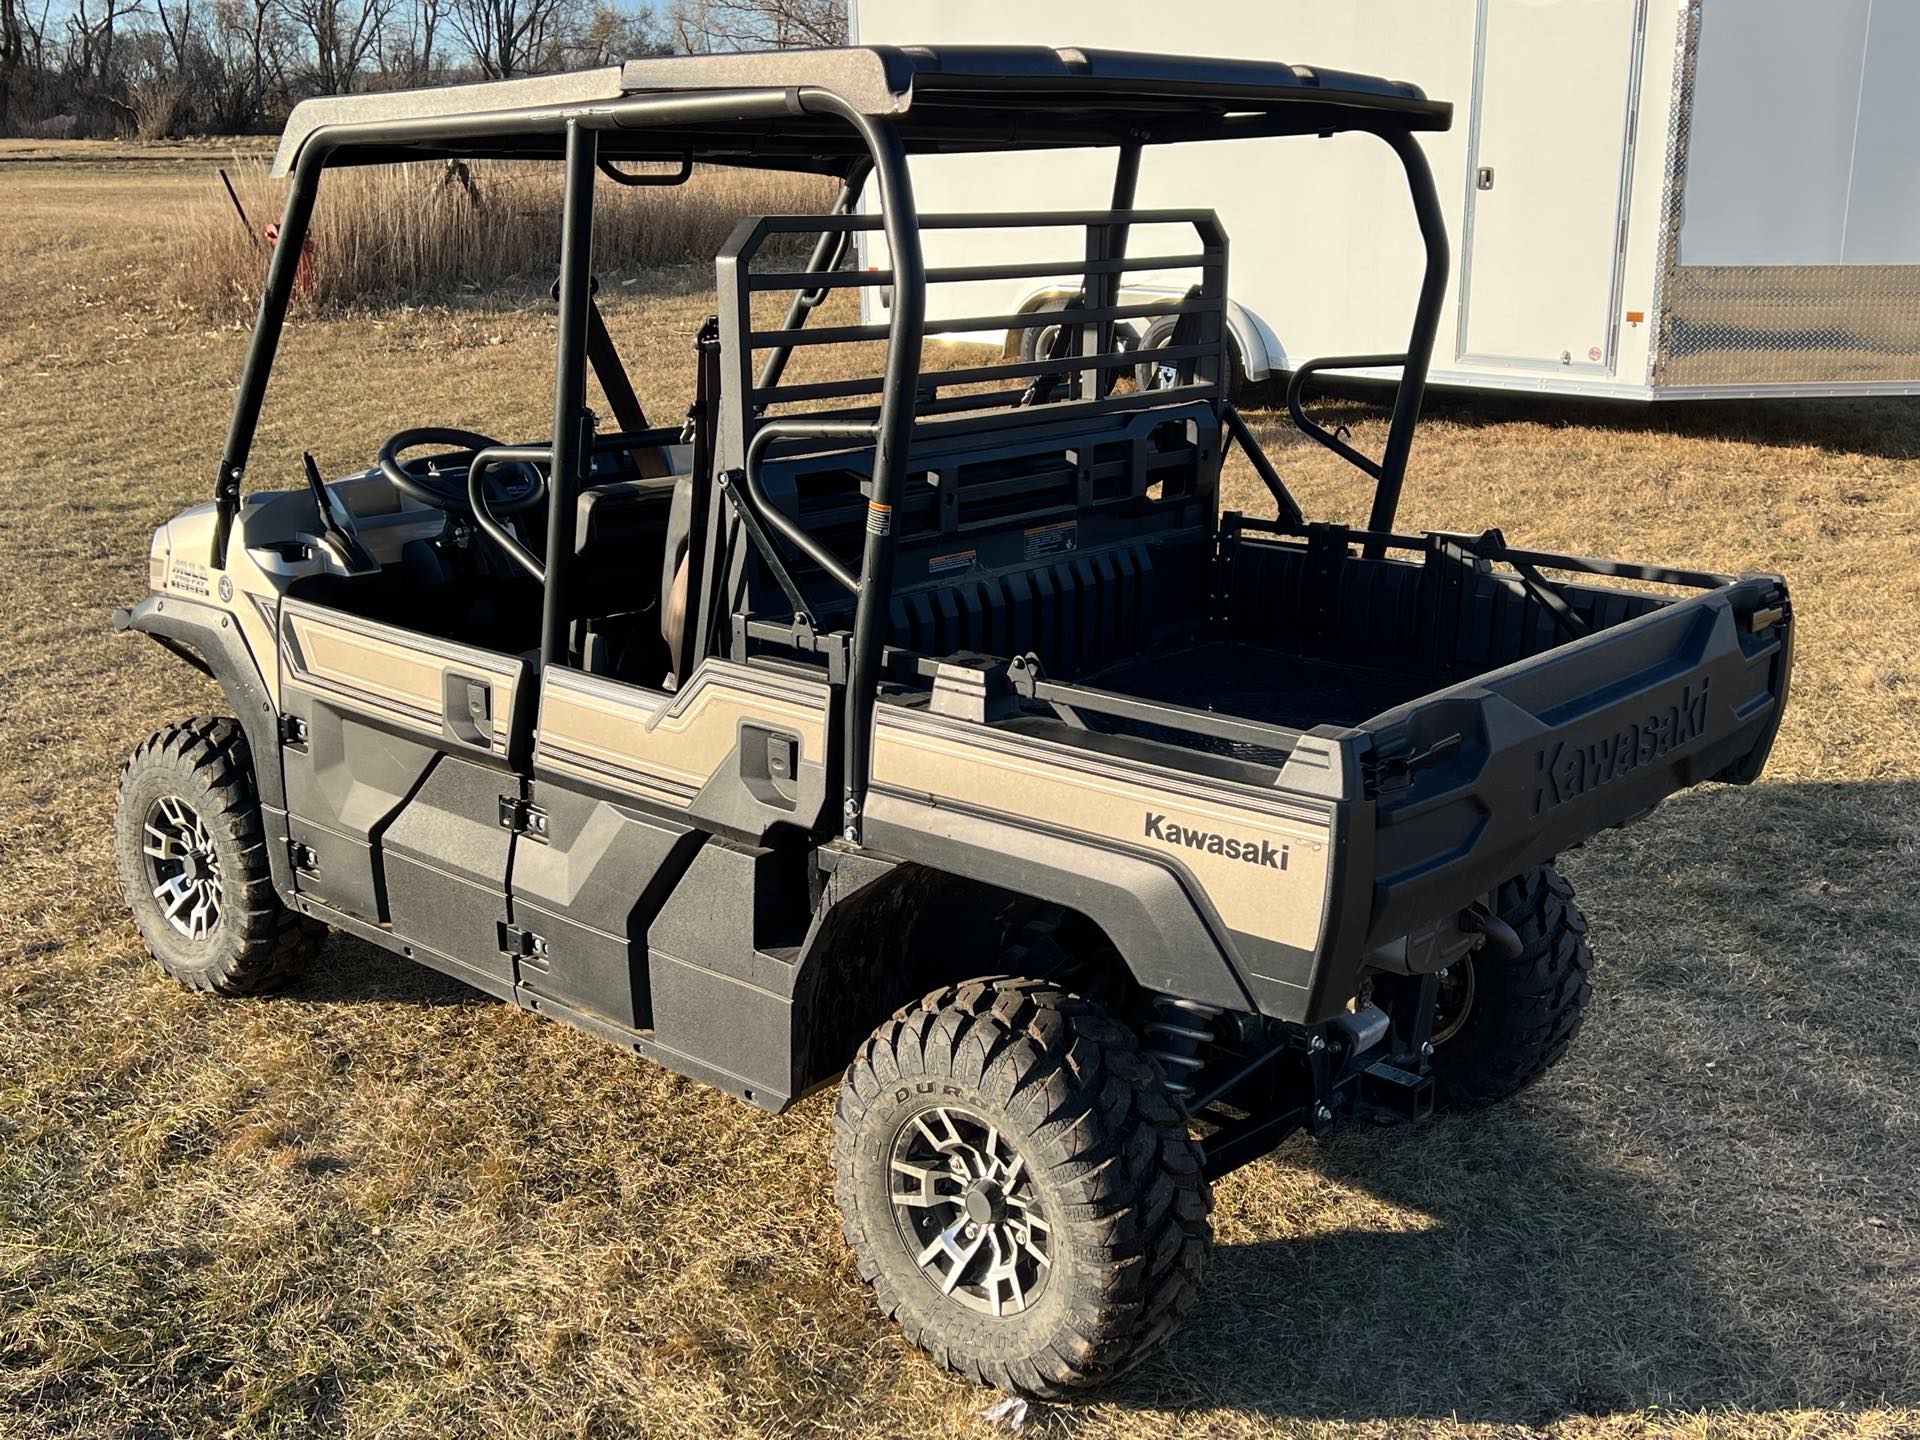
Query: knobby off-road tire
1521, 1011
189, 827
1021, 1079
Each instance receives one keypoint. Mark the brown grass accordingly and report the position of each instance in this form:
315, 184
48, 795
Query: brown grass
382, 1206
427, 232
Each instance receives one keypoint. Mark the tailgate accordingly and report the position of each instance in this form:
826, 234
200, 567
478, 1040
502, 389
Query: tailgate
1474, 784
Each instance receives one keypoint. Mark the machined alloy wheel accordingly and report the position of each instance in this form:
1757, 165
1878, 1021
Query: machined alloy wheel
966, 1206
192, 851
1020, 1189
184, 867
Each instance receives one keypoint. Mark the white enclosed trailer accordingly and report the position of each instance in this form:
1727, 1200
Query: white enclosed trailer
1646, 199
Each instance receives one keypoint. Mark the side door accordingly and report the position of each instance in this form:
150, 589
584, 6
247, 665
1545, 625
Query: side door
630, 784
399, 751
1550, 158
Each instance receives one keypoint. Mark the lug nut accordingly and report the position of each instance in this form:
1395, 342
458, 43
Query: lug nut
1317, 1044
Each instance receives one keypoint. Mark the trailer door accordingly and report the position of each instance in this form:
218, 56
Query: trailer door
1550, 153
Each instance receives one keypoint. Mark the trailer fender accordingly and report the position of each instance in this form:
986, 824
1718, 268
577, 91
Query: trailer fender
1142, 907
1261, 354
209, 639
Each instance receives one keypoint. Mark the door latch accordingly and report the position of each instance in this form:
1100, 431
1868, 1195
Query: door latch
524, 944
523, 817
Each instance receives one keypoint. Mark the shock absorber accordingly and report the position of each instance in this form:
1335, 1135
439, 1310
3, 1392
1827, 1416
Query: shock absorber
1174, 1037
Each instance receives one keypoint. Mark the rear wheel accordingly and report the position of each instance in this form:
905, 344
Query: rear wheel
1501, 1021
1019, 1189
192, 856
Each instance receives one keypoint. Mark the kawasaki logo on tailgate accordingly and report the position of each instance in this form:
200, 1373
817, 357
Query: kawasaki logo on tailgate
1568, 768
1253, 852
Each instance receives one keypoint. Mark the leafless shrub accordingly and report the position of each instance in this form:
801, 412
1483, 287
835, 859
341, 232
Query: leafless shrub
156, 104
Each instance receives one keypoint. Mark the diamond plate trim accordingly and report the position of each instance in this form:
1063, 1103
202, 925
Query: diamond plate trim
1807, 324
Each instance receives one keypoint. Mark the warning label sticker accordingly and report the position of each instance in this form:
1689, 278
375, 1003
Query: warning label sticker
1054, 539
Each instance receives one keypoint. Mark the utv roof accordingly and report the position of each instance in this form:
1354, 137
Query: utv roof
953, 98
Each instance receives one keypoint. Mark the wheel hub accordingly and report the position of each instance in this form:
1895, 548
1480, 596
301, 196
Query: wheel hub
968, 1211
182, 867
1453, 1001
984, 1204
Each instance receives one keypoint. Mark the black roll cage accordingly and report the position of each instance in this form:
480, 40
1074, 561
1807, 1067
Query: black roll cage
884, 162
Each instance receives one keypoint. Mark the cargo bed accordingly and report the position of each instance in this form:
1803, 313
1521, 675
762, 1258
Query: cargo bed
1460, 715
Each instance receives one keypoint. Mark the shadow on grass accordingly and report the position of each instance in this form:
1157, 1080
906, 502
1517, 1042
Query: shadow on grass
1640, 1231
1645, 1230
351, 971
1883, 426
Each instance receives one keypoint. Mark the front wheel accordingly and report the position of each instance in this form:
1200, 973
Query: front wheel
1501, 1020
1019, 1189
192, 856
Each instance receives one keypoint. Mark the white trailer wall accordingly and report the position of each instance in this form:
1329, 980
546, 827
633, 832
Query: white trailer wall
1684, 197
1325, 254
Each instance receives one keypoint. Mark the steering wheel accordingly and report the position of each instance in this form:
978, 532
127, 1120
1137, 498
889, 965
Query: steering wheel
441, 480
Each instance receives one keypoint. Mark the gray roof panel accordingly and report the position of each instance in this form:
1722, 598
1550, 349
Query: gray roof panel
949, 98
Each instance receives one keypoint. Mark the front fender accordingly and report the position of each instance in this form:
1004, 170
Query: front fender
209, 639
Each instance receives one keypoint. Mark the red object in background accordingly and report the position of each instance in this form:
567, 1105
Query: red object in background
303, 276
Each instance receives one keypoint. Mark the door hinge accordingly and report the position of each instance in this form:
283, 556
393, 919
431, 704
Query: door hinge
293, 731
523, 817
523, 943
306, 860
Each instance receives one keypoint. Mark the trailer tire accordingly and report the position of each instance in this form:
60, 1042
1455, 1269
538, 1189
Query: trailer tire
1019, 1080
1513, 1016
1148, 375
1035, 340
189, 818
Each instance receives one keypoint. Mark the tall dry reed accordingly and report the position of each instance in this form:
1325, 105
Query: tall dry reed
428, 232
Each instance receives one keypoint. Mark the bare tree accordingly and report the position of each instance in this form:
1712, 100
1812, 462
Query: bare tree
92, 27
699, 26
13, 53
176, 26
512, 37
412, 56
250, 41
343, 35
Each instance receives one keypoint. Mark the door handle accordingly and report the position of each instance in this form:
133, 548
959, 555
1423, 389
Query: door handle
466, 705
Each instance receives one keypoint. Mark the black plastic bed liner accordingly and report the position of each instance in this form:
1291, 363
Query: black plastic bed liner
1254, 683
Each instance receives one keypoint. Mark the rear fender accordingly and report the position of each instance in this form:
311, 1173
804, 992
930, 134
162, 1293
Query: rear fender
1151, 917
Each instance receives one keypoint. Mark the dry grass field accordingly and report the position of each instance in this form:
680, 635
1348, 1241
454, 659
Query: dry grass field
380, 1205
